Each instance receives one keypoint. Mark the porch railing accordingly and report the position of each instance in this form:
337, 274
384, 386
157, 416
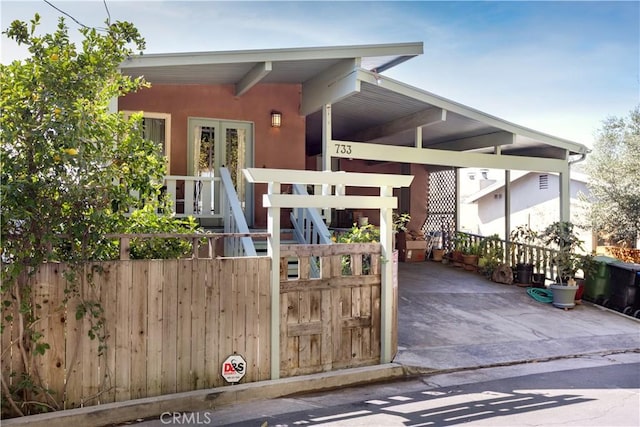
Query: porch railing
513, 253
308, 224
309, 228
196, 195
234, 220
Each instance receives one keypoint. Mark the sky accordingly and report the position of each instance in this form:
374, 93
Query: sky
556, 67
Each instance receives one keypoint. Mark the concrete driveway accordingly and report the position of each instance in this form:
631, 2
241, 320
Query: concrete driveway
449, 318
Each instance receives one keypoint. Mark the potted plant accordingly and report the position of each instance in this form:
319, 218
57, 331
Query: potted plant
491, 255
562, 236
459, 241
400, 222
522, 237
589, 268
470, 256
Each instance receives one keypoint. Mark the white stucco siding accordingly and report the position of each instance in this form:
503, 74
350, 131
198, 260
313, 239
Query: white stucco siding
531, 205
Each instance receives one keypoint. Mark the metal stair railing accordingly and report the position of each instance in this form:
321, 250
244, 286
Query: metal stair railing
234, 220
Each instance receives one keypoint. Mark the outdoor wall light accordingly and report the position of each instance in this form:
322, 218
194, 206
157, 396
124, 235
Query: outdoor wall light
276, 119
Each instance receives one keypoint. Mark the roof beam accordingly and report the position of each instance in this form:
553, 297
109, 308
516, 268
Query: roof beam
465, 111
428, 117
336, 83
257, 73
495, 139
430, 156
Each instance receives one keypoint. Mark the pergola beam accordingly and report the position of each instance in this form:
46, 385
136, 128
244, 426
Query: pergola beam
338, 202
305, 177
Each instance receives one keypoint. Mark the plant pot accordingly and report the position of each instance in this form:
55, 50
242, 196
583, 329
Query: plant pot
437, 255
470, 262
456, 258
524, 273
537, 280
563, 296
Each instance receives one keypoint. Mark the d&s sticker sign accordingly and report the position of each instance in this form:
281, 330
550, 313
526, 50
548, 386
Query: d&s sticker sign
233, 368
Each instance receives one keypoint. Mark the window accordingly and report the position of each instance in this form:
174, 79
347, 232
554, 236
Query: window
157, 128
543, 182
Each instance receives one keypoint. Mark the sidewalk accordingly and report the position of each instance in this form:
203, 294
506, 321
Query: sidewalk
448, 320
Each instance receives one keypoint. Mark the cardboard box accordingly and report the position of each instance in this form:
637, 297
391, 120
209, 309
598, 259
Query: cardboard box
413, 251
414, 255
416, 244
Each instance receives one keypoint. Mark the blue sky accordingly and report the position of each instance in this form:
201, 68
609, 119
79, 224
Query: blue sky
557, 67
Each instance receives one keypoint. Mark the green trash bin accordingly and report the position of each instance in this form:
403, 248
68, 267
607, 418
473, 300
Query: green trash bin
598, 288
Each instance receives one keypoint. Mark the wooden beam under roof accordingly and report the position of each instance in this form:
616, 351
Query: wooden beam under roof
253, 77
428, 117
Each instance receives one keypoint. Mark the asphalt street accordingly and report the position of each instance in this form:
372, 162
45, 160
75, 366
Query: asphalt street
599, 390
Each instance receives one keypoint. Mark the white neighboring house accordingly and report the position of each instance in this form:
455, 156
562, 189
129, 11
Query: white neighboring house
534, 201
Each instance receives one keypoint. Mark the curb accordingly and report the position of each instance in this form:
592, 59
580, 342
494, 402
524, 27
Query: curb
210, 399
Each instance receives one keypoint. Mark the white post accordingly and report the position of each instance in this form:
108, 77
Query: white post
326, 137
507, 204
273, 251
565, 195
458, 199
386, 275
326, 155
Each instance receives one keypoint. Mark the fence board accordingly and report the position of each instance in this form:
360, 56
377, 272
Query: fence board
109, 301
226, 281
122, 368
239, 295
91, 287
138, 327
264, 318
198, 325
42, 292
73, 352
213, 330
169, 327
183, 338
154, 328
252, 326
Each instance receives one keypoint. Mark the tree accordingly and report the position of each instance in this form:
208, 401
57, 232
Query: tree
614, 168
68, 169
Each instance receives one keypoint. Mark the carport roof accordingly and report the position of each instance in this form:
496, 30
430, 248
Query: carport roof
365, 112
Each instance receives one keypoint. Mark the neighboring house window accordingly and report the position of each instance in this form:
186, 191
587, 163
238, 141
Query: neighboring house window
157, 128
543, 182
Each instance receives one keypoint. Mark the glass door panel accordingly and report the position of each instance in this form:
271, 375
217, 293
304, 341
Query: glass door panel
216, 144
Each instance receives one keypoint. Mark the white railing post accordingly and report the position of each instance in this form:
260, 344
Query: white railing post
234, 219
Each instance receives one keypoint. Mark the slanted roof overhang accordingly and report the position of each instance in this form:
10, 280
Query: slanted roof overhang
248, 67
382, 110
366, 106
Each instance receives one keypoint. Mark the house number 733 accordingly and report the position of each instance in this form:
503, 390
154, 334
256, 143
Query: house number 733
343, 149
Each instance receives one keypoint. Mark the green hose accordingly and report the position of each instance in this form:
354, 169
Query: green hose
540, 294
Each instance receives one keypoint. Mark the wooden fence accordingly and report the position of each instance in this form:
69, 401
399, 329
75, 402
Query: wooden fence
169, 324
334, 321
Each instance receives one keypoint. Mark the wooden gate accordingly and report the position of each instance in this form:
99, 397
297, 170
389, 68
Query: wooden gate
333, 321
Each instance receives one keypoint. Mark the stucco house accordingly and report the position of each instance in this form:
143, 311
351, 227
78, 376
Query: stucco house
324, 108
534, 200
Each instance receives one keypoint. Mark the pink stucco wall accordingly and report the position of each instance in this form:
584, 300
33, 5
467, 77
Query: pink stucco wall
412, 200
282, 148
